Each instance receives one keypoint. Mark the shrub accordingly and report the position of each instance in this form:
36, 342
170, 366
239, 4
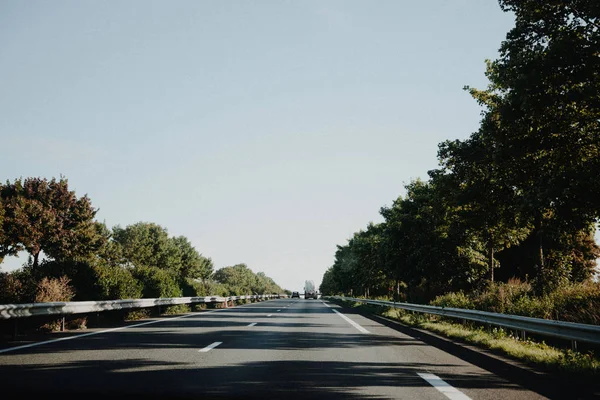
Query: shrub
54, 289
95, 281
77, 323
578, 302
454, 300
216, 289
134, 315
192, 288
177, 309
115, 283
501, 297
157, 282
11, 288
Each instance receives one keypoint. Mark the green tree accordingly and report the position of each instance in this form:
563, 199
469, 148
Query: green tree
193, 264
238, 278
544, 91
44, 216
157, 282
148, 245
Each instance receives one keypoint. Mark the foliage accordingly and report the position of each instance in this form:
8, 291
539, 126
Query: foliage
116, 282
576, 302
148, 245
54, 289
11, 288
193, 264
157, 282
240, 280
518, 198
45, 216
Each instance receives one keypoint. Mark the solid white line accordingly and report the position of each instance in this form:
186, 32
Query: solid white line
354, 324
25, 346
327, 305
252, 324
441, 385
210, 347
270, 315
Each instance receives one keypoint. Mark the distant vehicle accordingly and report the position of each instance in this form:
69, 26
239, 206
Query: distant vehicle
309, 290
295, 294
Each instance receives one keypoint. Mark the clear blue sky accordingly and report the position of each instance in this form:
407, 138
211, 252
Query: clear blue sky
266, 132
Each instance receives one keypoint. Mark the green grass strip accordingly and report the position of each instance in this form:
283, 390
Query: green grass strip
499, 340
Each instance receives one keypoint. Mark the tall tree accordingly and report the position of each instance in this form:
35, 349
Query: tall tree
148, 245
545, 89
193, 264
44, 216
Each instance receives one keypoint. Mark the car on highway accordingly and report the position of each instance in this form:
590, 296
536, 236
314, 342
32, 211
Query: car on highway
295, 294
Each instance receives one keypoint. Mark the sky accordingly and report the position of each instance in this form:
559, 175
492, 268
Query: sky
266, 132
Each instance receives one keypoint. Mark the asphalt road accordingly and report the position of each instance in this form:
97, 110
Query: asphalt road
278, 349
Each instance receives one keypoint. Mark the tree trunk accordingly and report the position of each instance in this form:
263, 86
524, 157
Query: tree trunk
541, 235
36, 257
491, 253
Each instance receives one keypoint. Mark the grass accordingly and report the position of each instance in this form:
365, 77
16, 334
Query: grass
499, 340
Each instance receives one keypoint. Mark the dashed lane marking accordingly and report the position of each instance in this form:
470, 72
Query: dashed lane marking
210, 347
449, 391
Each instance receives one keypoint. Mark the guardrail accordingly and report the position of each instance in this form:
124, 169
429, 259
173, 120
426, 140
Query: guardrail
8, 311
559, 329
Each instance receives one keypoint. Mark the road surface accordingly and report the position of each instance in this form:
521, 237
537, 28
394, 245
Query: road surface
278, 349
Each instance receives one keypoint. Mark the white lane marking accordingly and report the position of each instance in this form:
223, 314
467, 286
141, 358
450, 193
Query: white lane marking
269, 315
441, 385
325, 304
252, 324
210, 347
354, 324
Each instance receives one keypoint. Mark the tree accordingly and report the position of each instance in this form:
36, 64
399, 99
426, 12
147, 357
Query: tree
42, 216
329, 285
239, 278
148, 245
545, 87
193, 264
485, 204
3, 238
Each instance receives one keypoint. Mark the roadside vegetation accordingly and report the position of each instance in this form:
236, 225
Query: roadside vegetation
506, 342
515, 201
506, 223
74, 257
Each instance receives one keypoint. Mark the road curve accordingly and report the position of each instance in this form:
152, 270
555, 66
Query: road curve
286, 348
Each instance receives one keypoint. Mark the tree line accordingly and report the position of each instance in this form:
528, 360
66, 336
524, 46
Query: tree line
78, 258
519, 197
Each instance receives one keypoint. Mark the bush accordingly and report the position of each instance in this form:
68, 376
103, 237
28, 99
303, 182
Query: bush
54, 289
114, 283
578, 302
95, 281
157, 282
177, 309
192, 288
501, 297
454, 300
11, 288
216, 289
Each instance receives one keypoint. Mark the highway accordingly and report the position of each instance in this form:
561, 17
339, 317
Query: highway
278, 349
